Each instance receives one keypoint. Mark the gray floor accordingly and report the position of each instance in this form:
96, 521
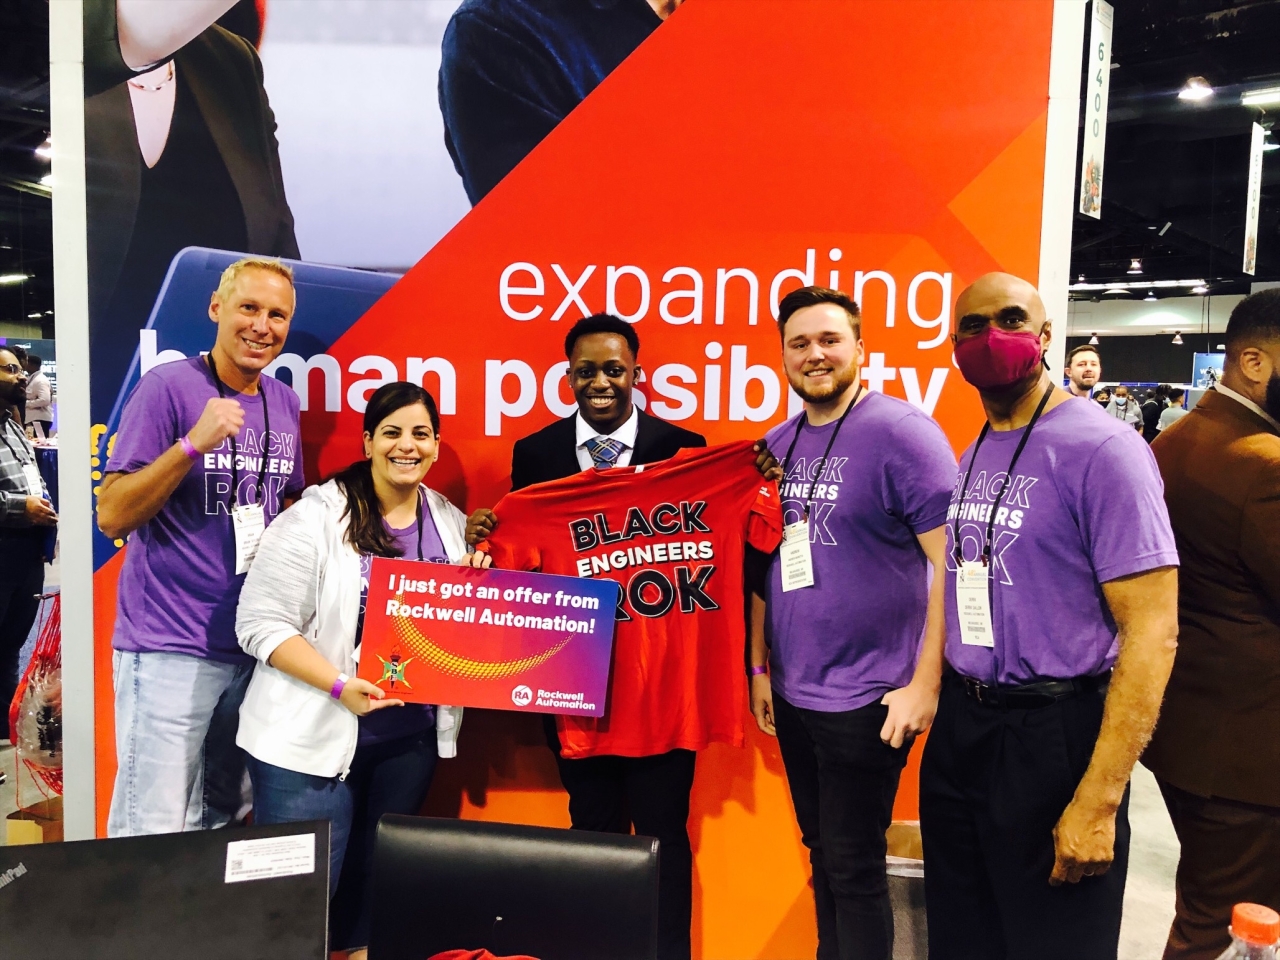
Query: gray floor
1153, 857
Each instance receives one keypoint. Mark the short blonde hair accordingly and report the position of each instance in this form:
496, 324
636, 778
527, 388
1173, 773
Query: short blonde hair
271, 265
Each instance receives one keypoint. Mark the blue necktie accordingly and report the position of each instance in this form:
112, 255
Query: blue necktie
604, 451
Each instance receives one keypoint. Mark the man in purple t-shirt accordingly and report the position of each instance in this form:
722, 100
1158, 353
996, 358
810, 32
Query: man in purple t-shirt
1061, 597
207, 453
853, 631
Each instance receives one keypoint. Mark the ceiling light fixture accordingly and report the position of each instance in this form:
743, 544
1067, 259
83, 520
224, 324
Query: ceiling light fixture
1196, 89
1093, 340
1260, 97
45, 150
13, 277
1135, 266
1202, 289
1136, 285
34, 316
1150, 297
1165, 228
1177, 339
47, 181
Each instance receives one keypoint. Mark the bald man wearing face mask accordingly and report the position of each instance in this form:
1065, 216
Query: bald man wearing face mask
1061, 604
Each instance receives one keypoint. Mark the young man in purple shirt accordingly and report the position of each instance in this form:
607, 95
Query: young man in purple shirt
1061, 598
852, 631
207, 453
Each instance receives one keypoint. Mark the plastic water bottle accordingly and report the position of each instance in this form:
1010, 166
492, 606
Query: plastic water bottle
1254, 932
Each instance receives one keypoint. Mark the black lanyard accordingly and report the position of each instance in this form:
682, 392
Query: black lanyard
804, 418
964, 486
421, 496
266, 442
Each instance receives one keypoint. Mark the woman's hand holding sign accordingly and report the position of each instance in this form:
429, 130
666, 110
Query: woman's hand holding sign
362, 697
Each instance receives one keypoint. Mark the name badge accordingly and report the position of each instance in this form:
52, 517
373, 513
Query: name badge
795, 556
973, 603
248, 521
31, 474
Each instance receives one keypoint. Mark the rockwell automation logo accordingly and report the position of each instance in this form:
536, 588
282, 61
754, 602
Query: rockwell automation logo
522, 696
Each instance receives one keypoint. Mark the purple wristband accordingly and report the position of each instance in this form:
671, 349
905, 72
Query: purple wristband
756, 671
338, 684
189, 448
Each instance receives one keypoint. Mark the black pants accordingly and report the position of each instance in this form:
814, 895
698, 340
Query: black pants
21, 583
651, 794
993, 784
391, 777
1230, 854
843, 780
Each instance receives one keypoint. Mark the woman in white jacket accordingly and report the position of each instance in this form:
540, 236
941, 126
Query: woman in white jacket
322, 744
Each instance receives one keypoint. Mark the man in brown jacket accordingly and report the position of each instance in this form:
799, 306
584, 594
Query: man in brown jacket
1216, 750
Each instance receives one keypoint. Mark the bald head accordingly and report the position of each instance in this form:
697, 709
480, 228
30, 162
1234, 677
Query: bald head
993, 293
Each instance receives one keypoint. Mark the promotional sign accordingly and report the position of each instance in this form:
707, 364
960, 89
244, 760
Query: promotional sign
1206, 369
488, 638
1253, 199
1097, 88
493, 184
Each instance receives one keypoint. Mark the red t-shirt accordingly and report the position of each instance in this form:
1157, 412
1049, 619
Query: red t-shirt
672, 535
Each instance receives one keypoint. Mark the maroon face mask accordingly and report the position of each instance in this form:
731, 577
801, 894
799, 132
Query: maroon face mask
997, 358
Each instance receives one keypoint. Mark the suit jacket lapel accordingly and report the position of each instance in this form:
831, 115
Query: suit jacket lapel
645, 439
563, 454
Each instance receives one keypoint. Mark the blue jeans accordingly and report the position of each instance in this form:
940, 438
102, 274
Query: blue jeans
389, 777
286, 796
178, 766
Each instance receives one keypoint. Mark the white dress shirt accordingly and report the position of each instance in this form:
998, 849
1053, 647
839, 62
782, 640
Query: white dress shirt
1240, 398
625, 435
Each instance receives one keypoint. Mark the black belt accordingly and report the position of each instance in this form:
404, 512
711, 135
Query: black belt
1028, 696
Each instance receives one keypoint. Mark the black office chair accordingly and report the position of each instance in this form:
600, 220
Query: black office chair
552, 894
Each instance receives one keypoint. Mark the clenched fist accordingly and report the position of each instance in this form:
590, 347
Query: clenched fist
222, 418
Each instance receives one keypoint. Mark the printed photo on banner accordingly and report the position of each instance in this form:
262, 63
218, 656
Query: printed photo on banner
488, 638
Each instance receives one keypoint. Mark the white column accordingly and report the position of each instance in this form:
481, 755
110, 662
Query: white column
1058, 210
75, 494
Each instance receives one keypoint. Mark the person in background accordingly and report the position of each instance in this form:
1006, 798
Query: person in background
1102, 397
1084, 370
847, 678
1216, 752
1174, 409
39, 410
1123, 407
208, 452
25, 513
19, 411
1061, 630
1152, 405
323, 744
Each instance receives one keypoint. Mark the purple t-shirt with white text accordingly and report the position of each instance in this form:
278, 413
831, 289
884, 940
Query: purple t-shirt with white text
855, 634
178, 588
1085, 506
412, 719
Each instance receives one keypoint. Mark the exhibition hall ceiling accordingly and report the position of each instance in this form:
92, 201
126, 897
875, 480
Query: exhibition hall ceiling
1175, 173
1176, 170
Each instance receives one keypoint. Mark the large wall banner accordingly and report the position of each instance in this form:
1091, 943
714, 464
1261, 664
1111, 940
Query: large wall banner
457, 183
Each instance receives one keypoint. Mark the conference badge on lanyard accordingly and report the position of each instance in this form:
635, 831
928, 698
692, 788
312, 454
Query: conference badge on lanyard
973, 603
249, 522
795, 557
31, 474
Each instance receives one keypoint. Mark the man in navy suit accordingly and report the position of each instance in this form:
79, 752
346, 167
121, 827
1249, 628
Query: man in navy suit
610, 793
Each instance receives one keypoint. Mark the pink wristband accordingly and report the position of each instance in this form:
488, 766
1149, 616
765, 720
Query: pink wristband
756, 671
338, 685
189, 448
